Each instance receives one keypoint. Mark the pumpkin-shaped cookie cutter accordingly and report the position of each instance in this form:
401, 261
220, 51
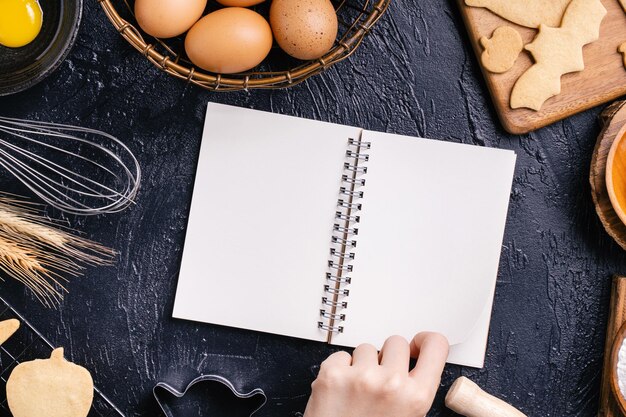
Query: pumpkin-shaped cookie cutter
163, 386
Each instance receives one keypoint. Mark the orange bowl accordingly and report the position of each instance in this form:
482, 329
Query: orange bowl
616, 175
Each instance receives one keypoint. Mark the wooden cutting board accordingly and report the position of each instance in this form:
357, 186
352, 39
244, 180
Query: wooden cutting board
603, 79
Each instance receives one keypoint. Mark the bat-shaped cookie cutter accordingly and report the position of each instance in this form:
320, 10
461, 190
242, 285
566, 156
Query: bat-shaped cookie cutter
163, 386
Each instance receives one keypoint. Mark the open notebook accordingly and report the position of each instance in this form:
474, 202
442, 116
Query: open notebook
342, 235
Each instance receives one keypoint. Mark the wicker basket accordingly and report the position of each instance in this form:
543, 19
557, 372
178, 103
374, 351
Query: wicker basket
356, 19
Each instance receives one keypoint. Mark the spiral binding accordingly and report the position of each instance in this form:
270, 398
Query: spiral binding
345, 231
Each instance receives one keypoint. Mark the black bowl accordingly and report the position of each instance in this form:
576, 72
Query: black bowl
21, 68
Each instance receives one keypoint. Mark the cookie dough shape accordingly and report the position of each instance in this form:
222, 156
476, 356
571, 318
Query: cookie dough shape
558, 51
529, 13
501, 51
50, 387
622, 50
7, 328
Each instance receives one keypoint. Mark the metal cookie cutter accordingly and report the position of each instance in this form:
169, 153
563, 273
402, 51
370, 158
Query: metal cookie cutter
163, 386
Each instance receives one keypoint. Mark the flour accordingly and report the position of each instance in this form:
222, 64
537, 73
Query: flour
621, 368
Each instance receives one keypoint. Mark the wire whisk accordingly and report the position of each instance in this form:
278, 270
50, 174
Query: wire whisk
74, 169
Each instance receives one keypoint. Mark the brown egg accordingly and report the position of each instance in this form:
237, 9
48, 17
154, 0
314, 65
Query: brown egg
229, 40
168, 18
240, 3
305, 29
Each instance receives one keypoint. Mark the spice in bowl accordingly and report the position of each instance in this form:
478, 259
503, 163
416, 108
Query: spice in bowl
616, 175
617, 372
621, 368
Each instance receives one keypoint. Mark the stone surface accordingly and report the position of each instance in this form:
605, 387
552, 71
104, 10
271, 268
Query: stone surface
414, 75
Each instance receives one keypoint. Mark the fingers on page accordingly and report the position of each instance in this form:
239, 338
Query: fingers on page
431, 350
332, 372
337, 359
365, 355
395, 354
430, 338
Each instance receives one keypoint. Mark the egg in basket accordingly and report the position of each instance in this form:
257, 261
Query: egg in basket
244, 44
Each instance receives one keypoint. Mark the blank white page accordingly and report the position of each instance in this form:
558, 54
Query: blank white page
429, 242
261, 221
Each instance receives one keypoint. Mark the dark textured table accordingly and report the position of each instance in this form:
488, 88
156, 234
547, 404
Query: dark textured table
415, 75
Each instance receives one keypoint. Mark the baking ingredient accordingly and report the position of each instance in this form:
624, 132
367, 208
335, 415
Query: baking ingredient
168, 18
621, 368
622, 50
558, 51
529, 13
7, 328
20, 22
229, 40
240, 3
305, 29
34, 252
50, 387
501, 51
616, 176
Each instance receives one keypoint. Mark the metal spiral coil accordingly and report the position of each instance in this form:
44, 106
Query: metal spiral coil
359, 144
352, 231
344, 204
333, 329
341, 255
339, 267
344, 237
345, 242
331, 303
350, 193
335, 278
336, 291
357, 181
355, 168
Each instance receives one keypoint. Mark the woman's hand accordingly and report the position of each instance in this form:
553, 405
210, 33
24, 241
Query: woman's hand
372, 384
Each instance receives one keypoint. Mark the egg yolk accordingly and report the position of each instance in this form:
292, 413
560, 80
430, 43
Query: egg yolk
20, 22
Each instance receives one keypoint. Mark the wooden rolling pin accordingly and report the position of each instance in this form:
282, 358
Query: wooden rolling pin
466, 398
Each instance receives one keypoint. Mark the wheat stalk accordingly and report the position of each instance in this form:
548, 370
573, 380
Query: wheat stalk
36, 251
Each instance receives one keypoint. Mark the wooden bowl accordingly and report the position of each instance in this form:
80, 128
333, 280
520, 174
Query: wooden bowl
616, 174
617, 393
612, 120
